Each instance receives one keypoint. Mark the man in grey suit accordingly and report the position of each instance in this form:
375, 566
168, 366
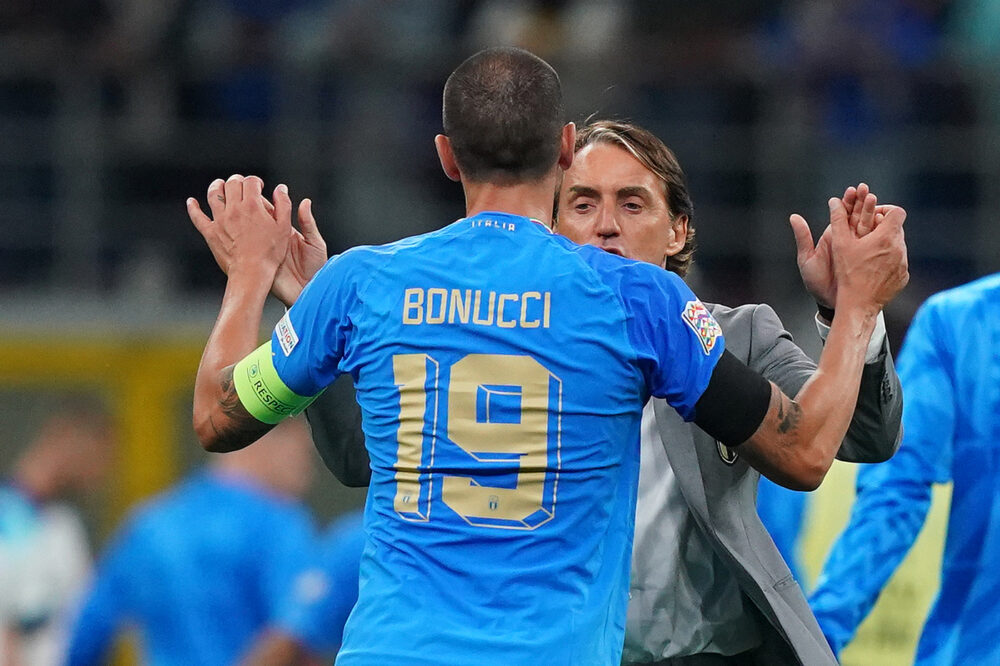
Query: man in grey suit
708, 585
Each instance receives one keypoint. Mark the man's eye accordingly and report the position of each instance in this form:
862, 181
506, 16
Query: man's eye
582, 207
633, 206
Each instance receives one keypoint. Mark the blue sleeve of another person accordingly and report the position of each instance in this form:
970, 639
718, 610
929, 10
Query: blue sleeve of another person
325, 592
893, 497
676, 339
108, 603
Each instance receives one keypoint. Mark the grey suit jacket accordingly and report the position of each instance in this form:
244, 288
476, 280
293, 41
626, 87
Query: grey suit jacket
720, 490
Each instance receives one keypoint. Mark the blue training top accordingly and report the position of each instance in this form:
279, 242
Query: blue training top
501, 372
200, 571
949, 367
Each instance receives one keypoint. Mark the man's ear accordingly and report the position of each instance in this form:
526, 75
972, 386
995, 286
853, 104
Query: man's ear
447, 157
567, 146
680, 229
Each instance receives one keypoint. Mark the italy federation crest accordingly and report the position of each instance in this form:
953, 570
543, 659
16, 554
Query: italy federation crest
703, 324
727, 454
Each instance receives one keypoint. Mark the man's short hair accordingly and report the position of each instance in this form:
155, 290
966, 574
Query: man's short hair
503, 114
644, 146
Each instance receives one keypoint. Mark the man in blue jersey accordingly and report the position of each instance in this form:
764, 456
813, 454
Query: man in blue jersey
202, 569
950, 371
626, 193
501, 372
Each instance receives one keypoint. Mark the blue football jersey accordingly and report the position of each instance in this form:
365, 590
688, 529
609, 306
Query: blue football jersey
200, 571
501, 372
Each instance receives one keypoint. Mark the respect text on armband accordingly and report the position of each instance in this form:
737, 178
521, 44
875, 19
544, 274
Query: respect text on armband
267, 398
477, 307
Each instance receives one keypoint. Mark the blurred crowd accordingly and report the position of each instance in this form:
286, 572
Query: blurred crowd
114, 111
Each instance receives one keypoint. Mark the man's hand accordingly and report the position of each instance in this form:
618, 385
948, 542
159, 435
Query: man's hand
244, 229
798, 439
869, 270
304, 256
816, 263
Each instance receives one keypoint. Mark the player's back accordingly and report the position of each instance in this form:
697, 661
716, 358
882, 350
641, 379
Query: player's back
501, 374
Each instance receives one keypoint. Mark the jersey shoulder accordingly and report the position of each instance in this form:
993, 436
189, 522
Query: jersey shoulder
359, 264
982, 292
18, 515
343, 541
949, 313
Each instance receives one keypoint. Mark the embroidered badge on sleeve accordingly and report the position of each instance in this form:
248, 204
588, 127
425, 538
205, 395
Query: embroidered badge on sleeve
703, 324
287, 337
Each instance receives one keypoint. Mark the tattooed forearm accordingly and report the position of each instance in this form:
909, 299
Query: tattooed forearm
235, 428
229, 403
789, 415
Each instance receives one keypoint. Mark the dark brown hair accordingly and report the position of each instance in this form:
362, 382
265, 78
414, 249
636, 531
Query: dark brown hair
503, 114
644, 146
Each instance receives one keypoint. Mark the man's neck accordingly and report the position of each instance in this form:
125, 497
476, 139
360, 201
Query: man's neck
528, 200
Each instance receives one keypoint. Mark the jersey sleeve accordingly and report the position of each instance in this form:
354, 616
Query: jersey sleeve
308, 343
676, 339
284, 375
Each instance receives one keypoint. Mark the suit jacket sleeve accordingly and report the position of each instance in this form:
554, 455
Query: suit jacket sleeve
875, 433
336, 429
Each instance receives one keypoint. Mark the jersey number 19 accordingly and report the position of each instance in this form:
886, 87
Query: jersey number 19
505, 413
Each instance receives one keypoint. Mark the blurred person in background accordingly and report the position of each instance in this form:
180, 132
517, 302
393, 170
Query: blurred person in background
44, 555
950, 369
626, 192
200, 570
311, 629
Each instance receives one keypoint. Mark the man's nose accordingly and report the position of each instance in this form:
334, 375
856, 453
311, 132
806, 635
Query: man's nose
607, 225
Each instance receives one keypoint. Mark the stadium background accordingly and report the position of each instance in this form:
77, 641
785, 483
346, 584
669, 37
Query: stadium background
112, 112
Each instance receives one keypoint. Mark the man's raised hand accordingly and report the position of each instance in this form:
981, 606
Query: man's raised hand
305, 252
869, 270
816, 262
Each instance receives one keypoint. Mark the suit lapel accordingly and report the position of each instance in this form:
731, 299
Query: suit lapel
678, 441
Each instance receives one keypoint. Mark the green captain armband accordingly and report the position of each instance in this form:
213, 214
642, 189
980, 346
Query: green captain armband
261, 390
